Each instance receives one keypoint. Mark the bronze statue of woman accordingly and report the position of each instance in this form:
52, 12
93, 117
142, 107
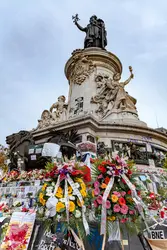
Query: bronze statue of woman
95, 32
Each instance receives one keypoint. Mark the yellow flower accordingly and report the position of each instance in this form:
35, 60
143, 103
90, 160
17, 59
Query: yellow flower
43, 202
59, 190
103, 185
93, 194
59, 195
40, 195
83, 186
79, 203
41, 199
79, 180
83, 193
59, 206
112, 218
71, 206
44, 187
69, 190
114, 198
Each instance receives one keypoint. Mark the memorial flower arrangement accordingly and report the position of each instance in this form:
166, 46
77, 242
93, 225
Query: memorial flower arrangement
110, 194
64, 196
152, 200
87, 146
4, 208
15, 175
16, 236
112, 191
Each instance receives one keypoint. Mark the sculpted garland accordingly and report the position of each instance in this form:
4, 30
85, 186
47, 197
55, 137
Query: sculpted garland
81, 68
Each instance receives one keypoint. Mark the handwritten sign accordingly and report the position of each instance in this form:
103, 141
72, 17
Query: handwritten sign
50, 241
157, 234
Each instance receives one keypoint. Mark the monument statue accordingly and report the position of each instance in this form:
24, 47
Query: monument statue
18, 147
112, 95
57, 113
96, 35
59, 109
45, 120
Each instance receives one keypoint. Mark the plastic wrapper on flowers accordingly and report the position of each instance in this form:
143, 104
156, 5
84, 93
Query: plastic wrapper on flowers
64, 196
112, 192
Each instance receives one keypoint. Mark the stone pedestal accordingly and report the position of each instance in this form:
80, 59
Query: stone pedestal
101, 111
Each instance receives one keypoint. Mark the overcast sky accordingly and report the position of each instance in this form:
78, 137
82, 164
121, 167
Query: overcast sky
38, 36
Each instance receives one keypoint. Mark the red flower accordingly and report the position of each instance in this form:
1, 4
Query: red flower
24, 209
129, 192
129, 172
116, 172
121, 201
102, 169
162, 214
104, 163
77, 172
112, 164
87, 176
106, 180
123, 220
55, 168
139, 193
152, 195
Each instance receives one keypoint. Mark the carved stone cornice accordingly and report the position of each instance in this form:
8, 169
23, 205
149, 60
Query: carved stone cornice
107, 127
98, 56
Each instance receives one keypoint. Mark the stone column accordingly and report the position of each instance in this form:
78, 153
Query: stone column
81, 70
92, 91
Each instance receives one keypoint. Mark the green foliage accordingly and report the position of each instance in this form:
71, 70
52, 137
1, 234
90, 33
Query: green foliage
49, 166
165, 163
162, 191
94, 172
97, 138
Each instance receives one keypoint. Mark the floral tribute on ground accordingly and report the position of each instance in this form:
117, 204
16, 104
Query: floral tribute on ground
64, 194
69, 192
115, 192
107, 194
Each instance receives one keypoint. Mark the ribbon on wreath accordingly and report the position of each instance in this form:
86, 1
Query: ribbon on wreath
103, 212
139, 203
67, 200
52, 201
78, 194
